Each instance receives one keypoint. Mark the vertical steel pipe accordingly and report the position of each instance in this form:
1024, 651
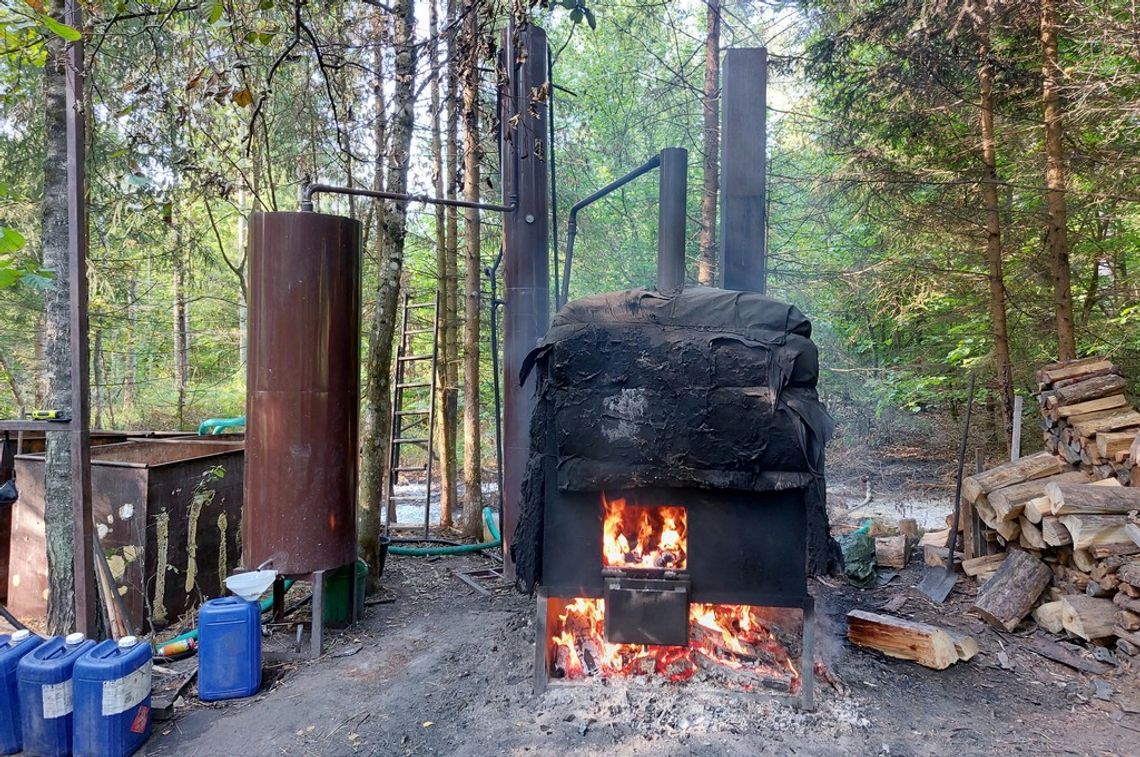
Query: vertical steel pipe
303, 392
671, 220
743, 170
526, 274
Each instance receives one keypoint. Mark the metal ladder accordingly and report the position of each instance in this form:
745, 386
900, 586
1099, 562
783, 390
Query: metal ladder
408, 404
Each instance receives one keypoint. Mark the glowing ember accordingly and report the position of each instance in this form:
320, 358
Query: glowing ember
636, 536
727, 643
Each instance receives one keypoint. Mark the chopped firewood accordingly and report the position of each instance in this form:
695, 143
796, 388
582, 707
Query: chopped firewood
925, 644
935, 556
892, 551
1129, 571
1109, 482
1129, 590
1054, 533
985, 511
1091, 428
1042, 373
1112, 565
1088, 617
1009, 596
908, 527
1078, 499
1037, 508
1009, 502
1066, 654
1126, 620
984, 564
1008, 530
936, 538
965, 645
1098, 590
1076, 580
1083, 559
1125, 646
1027, 468
1090, 389
1092, 406
1133, 529
1030, 535
1100, 551
1134, 451
1109, 443
1088, 530
1125, 602
1048, 617
1051, 374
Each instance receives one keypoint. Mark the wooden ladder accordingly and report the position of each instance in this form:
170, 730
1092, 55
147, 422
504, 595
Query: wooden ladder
410, 408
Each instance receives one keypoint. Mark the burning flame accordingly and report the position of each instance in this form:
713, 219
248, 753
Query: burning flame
637, 536
733, 637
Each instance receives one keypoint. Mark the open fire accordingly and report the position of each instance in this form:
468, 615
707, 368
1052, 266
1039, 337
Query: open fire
736, 645
643, 537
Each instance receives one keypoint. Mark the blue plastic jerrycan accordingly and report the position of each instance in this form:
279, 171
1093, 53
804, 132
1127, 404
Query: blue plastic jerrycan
229, 649
12, 649
111, 683
44, 683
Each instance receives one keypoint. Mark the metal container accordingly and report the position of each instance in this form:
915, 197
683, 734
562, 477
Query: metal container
167, 513
302, 392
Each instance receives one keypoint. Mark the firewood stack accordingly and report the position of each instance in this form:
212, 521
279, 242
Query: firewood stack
1062, 536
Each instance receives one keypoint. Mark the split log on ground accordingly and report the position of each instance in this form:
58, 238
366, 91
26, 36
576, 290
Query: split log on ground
1088, 530
1129, 571
1087, 429
1039, 465
935, 556
1066, 654
925, 644
984, 564
1109, 443
1083, 391
892, 551
1088, 617
965, 645
1054, 532
908, 527
1092, 406
1101, 551
1030, 534
1048, 616
1037, 508
1087, 499
1009, 596
936, 538
1008, 503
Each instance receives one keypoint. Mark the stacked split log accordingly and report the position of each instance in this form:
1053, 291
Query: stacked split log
1087, 419
1060, 532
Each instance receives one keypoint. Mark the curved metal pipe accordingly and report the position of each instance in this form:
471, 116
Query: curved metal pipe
572, 224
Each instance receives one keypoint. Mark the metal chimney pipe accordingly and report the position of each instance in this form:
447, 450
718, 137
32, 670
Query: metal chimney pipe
671, 220
743, 164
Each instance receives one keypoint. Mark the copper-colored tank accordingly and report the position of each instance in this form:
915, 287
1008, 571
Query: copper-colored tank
302, 395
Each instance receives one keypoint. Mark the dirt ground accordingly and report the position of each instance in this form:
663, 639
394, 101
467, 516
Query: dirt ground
447, 670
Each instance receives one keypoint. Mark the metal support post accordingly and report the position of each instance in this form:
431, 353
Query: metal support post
671, 220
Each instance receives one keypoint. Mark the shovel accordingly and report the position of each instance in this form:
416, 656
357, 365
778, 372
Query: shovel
937, 582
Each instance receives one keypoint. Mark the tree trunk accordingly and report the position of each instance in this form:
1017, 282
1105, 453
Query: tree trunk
448, 495
998, 322
472, 453
706, 269
1056, 234
445, 427
58, 491
390, 248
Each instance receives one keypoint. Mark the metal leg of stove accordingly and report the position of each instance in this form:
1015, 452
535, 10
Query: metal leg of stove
540, 634
318, 632
278, 598
807, 664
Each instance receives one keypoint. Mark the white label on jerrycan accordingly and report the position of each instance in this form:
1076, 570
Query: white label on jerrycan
57, 699
124, 693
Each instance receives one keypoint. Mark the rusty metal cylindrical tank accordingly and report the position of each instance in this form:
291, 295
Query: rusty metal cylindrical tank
302, 393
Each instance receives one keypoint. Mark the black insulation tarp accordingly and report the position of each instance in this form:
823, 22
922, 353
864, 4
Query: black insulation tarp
708, 388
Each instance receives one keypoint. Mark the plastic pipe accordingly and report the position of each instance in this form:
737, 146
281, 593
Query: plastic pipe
461, 549
215, 425
266, 605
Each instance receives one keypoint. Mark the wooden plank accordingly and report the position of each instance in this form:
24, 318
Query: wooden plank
1088, 530
1077, 499
1009, 596
1092, 406
1088, 617
1051, 650
1039, 465
925, 644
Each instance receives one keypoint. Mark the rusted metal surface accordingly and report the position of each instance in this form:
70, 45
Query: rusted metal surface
743, 231
671, 220
302, 392
526, 252
167, 514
